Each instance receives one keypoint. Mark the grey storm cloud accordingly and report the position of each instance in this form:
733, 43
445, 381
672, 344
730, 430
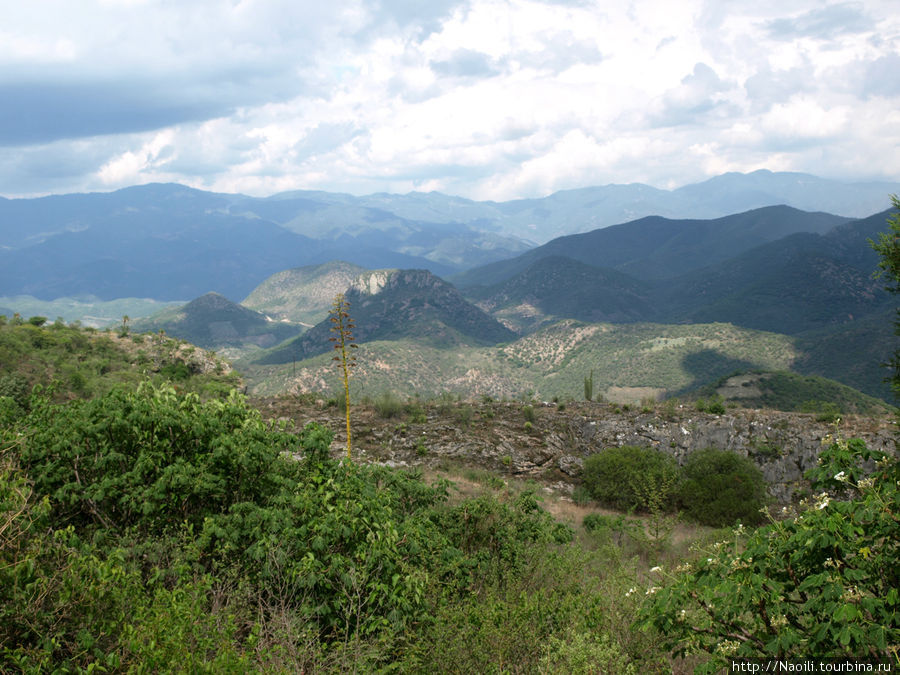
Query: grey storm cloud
45, 112
481, 97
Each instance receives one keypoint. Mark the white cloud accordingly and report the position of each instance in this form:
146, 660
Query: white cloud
483, 98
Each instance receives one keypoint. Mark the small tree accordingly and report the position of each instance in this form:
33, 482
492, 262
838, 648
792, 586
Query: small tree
888, 247
631, 477
721, 487
342, 326
589, 387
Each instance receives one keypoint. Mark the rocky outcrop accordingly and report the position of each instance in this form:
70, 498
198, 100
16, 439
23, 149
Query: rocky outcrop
783, 445
554, 444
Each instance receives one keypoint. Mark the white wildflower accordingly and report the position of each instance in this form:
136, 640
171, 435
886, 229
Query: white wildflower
655, 569
822, 501
652, 590
841, 476
866, 483
631, 591
728, 647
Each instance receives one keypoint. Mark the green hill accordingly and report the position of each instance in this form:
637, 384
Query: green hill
557, 287
783, 390
799, 283
660, 248
214, 321
303, 294
396, 305
83, 362
853, 353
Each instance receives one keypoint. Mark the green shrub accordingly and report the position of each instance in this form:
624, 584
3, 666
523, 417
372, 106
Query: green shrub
596, 521
464, 415
720, 488
632, 477
581, 495
826, 411
416, 413
16, 388
715, 405
580, 653
387, 405
528, 413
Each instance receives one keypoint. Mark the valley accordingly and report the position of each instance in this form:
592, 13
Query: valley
655, 307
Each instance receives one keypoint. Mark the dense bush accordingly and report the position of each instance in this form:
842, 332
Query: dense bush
821, 582
719, 487
632, 477
153, 530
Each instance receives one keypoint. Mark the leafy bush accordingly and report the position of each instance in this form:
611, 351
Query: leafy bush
150, 527
581, 495
720, 488
16, 388
631, 477
387, 405
715, 405
824, 581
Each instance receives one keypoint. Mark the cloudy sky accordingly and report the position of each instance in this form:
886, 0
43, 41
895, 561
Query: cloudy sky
488, 99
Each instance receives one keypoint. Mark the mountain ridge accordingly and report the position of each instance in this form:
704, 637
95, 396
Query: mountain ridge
388, 304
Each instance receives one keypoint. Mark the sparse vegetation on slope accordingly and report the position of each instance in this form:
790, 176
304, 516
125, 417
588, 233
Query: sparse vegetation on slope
81, 363
630, 362
303, 294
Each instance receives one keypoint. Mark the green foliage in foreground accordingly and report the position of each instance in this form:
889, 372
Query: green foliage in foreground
823, 582
154, 532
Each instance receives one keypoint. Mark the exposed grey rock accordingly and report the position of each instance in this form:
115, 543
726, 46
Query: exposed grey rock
783, 445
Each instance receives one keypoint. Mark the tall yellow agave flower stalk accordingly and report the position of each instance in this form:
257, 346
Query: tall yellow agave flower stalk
343, 326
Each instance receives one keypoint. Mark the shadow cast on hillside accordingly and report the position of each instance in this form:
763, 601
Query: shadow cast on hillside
709, 365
